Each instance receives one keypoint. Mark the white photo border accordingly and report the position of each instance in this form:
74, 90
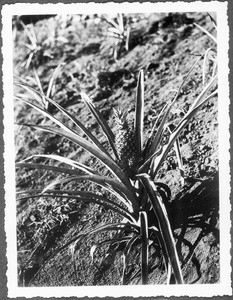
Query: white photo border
222, 288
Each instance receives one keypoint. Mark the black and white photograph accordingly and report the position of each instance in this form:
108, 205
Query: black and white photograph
116, 132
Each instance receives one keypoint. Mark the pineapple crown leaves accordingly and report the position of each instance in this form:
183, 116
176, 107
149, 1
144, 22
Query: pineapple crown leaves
129, 139
148, 159
121, 119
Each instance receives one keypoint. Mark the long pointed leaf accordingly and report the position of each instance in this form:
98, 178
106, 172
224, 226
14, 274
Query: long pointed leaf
116, 33
91, 199
147, 148
161, 153
164, 224
61, 159
120, 22
213, 20
44, 101
69, 134
186, 119
206, 57
114, 240
84, 194
53, 78
65, 160
116, 226
72, 250
30, 35
126, 254
47, 167
65, 112
139, 112
33, 92
67, 192
102, 122
126, 197
155, 141
206, 32
113, 23
179, 159
144, 247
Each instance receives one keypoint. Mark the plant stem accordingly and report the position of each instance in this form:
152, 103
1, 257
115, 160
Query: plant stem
164, 224
144, 248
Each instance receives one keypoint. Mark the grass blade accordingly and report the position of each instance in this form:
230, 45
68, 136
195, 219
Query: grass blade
127, 39
206, 32
206, 56
213, 20
72, 251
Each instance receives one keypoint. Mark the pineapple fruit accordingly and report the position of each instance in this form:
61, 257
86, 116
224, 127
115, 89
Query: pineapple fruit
125, 142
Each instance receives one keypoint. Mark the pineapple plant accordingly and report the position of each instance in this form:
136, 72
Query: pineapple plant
125, 142
133, 174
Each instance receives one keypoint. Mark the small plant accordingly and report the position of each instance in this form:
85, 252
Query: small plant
119, 33
50, 89
36, 48
210, 58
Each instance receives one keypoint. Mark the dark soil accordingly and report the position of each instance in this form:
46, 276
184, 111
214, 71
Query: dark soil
165, 46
